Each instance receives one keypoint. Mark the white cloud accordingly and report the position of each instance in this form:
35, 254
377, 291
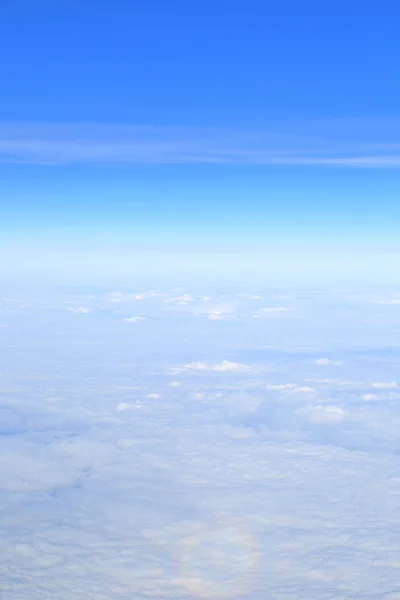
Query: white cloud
384, 384
83, 310
285, 143
290, 386
119, 297
123, 406
215, 316
118, 481
135, 319
180, 300
218, 313
326, 414
273, 309
369, 397
223, 366
327, 362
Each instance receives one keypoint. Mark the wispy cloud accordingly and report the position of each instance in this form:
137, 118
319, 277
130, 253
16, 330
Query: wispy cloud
369, 144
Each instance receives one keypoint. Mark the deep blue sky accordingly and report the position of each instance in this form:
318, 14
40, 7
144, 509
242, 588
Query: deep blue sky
287, 113
197, 62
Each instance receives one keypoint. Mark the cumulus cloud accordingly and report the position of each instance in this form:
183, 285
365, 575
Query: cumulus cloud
123, 297
123, 406
370, 397
326, 414
220, 312
223, 367
292, 387
384, 384
327, 362
135, 319
83, 310
180, 300
215, 316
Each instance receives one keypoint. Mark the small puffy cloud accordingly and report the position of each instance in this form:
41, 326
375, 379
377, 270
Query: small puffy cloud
327, 362
395, 301
123, 406
326, 414
369, 397
292, 387
384, 385
83, 310
128, 297
280, 387
218, 313
174, 384
180, 300
224, 366
135, 319
215, 317
131, 297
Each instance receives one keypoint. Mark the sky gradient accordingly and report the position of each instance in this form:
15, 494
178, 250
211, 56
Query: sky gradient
211, 129
199, 300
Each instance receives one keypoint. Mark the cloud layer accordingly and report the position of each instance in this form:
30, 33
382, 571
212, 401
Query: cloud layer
186, 457
361, 144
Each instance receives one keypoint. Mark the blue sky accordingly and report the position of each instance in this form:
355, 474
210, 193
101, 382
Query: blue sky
198, 127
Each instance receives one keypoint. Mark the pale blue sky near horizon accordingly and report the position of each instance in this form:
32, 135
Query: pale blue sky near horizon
206, 128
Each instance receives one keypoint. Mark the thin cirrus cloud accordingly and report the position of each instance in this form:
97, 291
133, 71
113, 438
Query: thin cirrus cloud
365, 144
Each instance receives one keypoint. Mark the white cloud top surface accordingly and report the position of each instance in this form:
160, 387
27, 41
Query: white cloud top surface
188, 457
